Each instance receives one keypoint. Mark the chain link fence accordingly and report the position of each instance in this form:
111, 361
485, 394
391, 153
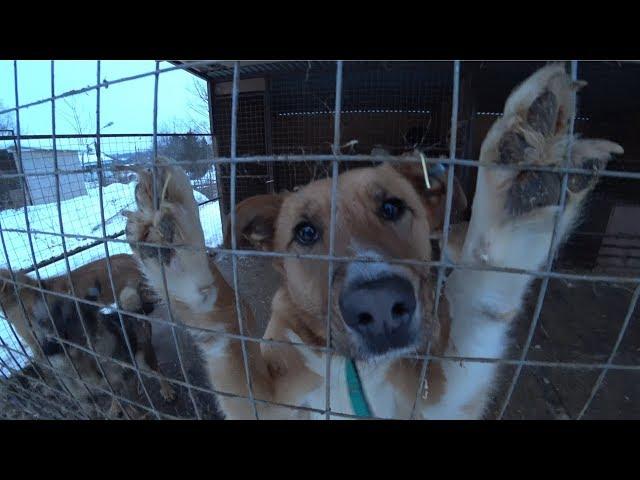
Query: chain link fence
275, 127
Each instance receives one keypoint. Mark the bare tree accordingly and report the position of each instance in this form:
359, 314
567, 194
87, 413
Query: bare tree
177, 125
186, 144
199, 107
80, 121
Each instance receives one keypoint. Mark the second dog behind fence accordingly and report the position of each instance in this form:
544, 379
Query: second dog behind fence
53, 327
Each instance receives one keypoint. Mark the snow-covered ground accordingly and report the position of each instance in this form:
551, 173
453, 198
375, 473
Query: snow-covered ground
80, 216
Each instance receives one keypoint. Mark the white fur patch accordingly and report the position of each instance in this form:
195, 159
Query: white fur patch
368, 271
314, 359
192, 286
218, 347
211, 344
372, 374
108, 310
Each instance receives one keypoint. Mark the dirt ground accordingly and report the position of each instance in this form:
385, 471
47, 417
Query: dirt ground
579, 322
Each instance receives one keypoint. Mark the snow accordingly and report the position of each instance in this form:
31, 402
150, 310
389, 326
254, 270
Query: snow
80, 217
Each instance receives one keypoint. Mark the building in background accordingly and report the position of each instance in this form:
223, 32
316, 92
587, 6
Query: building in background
39, 167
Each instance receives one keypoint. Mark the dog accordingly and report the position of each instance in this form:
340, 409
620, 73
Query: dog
54, 318
381, 313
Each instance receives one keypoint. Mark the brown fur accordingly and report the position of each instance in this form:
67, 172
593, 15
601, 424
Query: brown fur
278, 372
34, 329
125, 273
256, 220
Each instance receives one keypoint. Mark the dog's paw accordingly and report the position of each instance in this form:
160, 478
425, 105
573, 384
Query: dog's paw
174, 230
534, 131
171, 220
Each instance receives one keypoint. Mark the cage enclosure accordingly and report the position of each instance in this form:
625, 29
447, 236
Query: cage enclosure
275, 127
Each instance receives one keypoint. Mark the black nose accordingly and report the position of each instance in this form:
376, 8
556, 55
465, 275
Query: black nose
381, 311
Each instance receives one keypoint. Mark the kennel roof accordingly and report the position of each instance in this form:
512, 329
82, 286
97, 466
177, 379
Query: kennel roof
620, 88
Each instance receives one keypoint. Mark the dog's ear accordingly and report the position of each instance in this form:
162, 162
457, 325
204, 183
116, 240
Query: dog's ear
434, 198
255, 222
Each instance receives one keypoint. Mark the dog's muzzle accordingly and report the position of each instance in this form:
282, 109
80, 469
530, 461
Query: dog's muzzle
381, 312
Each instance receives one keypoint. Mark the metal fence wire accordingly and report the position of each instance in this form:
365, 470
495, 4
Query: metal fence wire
275, 126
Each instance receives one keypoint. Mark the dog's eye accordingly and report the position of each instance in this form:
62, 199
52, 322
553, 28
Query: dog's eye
392, 209
306, 234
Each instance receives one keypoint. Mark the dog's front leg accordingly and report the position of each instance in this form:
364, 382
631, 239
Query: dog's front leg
512, 226
193, 287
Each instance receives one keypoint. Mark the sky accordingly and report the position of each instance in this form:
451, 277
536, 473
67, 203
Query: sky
127, 106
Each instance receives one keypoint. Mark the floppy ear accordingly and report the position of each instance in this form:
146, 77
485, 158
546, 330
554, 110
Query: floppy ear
434, 198
255, 222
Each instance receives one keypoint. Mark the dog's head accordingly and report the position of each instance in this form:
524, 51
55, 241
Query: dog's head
384, 212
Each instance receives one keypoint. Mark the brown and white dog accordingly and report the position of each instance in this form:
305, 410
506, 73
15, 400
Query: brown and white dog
380, 310
90, 282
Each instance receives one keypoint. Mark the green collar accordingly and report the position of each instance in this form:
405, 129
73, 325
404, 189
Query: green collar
356, 392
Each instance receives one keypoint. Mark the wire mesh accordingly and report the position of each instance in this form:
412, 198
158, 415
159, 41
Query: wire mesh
61, 197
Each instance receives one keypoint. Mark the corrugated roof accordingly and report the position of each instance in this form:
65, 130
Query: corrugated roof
223, 70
